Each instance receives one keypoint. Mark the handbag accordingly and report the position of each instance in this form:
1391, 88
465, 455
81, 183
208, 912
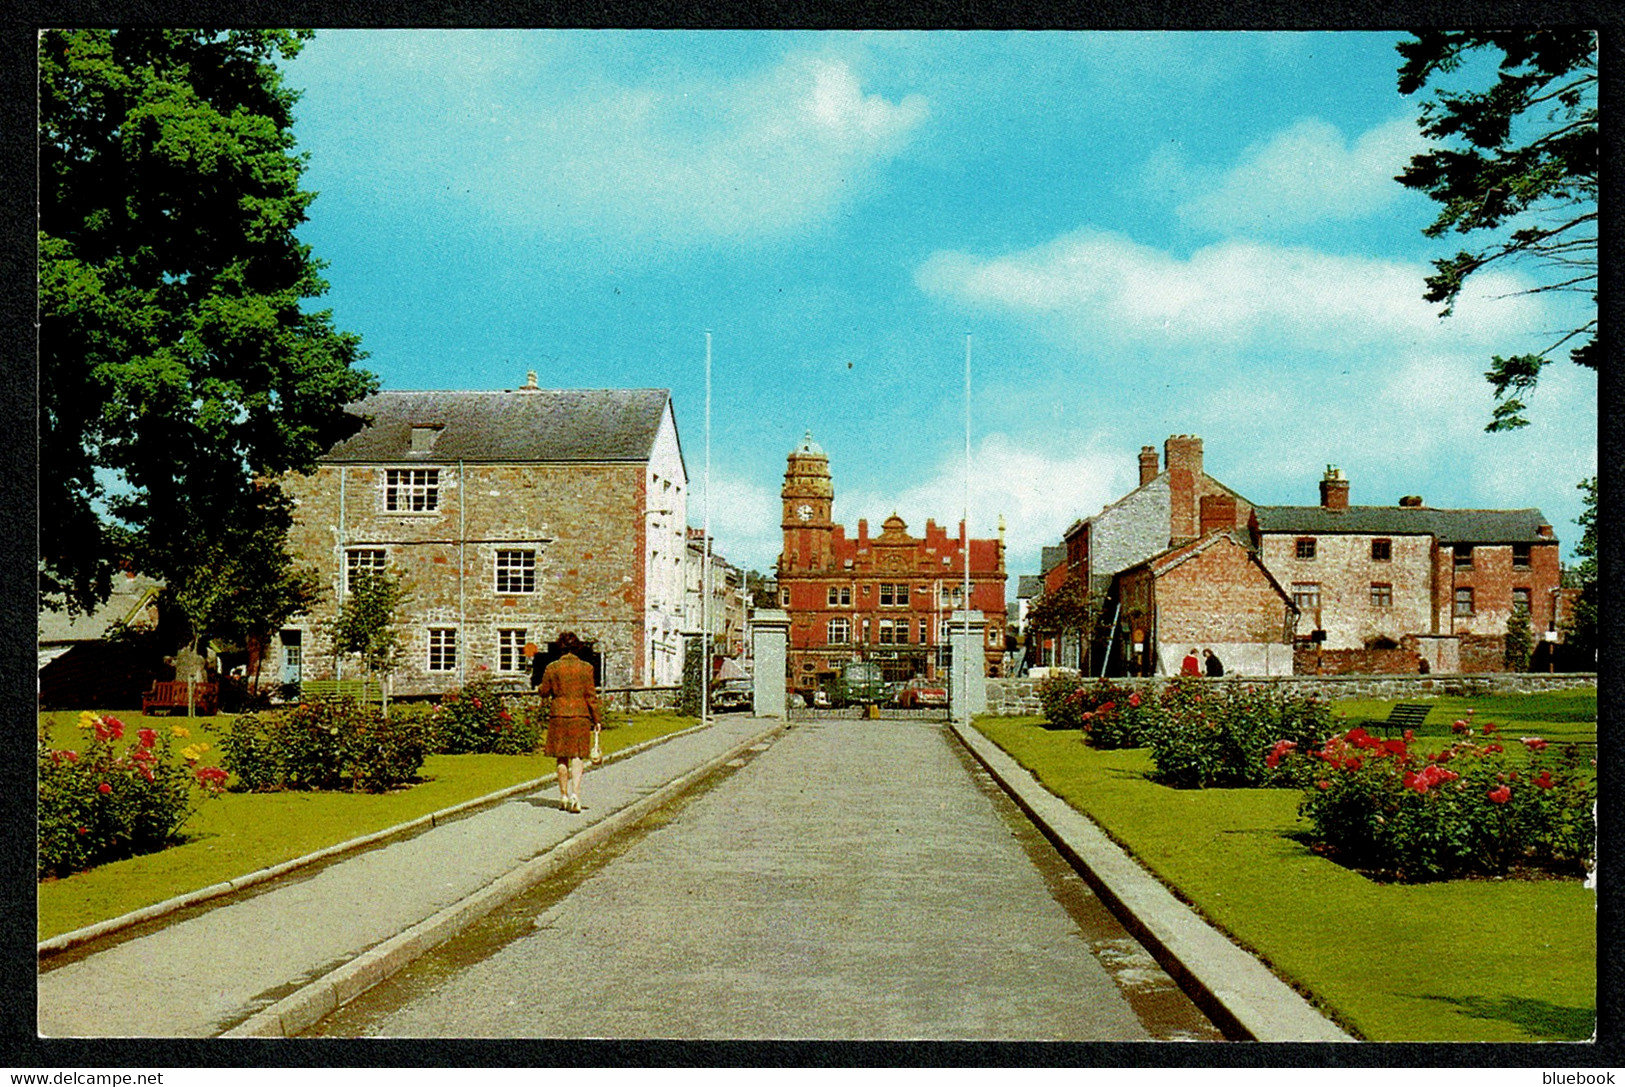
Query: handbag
597, 752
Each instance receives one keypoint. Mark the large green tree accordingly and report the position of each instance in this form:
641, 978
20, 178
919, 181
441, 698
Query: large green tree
1514, 166
180, 366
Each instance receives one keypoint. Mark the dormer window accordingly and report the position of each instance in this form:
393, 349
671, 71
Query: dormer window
423, 437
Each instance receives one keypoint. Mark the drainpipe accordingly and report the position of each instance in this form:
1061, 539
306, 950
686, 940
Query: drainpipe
462, 568
338, 661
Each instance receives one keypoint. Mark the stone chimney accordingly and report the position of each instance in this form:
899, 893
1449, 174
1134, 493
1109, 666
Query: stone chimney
1183, 456
1411, 502
530, 382
1148, 464
1334, 489
863, 532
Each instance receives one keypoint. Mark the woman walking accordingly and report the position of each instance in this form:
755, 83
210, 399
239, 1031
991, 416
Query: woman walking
572, 716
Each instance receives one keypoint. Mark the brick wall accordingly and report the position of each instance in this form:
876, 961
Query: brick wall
1345, 572
1309, 661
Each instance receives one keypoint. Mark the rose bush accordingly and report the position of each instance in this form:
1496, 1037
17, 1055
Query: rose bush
334, 743
1055, 699
1474, 808
1206, 735
114, 797
476, 719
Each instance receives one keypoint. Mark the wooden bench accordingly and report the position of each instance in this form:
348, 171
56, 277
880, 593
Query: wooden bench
171, 695
339, 688
1408, 715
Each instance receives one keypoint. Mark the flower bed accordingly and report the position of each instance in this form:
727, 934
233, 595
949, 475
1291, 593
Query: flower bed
334, 743
1474, 808
476, 720
110, 798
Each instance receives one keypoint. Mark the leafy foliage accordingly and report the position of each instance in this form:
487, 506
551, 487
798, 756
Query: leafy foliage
1520, 641
1581, 631
365, 622
179, 367
1205, 735
1519, 160
114, 796
476, 719
1472, 808
334, 743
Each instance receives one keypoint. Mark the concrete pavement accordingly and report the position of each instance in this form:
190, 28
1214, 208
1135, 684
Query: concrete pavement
852, 881
225, 968
277, 960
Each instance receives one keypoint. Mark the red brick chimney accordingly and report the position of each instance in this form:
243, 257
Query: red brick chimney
1148, 464
1183, 456
1218, 513
1334, 489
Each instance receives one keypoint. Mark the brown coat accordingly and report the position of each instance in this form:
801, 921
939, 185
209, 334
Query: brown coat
572, 711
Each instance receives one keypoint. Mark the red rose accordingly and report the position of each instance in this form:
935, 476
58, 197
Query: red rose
1501, 795
1544, 781
147, 737
1534, 743
104, 788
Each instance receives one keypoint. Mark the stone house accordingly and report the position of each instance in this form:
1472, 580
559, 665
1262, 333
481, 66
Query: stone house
1211, 593
1413, 582
727, 588
885, 599
511, 516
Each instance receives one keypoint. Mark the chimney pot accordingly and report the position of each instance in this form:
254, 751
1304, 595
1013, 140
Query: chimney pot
1148, 464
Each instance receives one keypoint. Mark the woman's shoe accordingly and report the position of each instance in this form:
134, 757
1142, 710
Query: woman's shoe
575, 804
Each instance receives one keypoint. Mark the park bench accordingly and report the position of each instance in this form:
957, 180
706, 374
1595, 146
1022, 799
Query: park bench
338, 688
170, 695
1407, 715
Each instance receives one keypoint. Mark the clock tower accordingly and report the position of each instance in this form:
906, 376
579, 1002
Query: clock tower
809, 498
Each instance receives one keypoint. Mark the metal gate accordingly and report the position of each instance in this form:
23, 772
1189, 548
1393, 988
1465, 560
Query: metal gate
858, 713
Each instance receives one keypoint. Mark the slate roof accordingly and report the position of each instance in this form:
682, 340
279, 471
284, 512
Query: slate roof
519, 425
1051, 557
1450, 526
1029, 586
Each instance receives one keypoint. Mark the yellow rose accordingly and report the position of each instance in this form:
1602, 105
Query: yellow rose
179, 730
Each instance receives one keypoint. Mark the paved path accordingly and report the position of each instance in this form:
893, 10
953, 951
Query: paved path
854, 880
200, 976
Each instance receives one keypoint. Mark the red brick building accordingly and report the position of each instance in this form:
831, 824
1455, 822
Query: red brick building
1209, 594
885, 599
1438, 583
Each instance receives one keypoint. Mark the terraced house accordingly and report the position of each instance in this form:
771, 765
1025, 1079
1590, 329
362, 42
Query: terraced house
511, 515
1385, 588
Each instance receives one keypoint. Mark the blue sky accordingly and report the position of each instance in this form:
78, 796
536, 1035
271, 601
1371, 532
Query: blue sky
1144, 234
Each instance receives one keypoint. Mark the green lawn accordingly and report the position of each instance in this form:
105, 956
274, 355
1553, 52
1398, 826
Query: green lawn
1488, 960
1558, 716
239, 833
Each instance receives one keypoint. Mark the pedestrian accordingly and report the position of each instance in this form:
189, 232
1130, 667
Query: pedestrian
1215, 668
572, 716
1189, 666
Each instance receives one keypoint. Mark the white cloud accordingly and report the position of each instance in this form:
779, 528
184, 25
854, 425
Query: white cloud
1099, 286
1038, 492
680, 164
1303, 175
744, 520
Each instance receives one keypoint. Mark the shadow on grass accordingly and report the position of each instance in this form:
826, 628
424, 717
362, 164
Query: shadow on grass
1540, 1019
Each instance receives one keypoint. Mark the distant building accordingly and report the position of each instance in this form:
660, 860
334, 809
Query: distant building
886, 599
1436, 584
1211, 594
727, 585
81, 668
511, 516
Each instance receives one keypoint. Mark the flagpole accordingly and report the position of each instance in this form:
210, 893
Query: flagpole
964, 673
705, 570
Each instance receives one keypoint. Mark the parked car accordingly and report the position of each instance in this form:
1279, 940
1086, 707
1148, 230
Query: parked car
918, 694
732, 694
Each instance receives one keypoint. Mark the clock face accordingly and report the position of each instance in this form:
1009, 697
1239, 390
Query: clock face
804, 512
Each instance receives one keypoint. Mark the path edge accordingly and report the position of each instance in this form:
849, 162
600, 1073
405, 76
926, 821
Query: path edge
1243, 997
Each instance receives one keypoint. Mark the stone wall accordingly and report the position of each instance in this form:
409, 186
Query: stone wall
582, 522
1019, 697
